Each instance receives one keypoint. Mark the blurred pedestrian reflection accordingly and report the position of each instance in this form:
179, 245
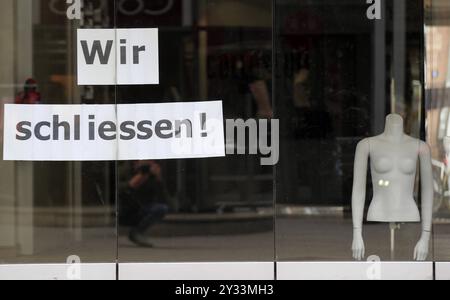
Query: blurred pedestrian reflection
30, 95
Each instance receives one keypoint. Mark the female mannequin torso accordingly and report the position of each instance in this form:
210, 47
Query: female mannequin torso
394, 157
393, 168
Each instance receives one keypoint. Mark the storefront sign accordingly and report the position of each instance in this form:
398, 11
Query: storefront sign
110, 132
118, 56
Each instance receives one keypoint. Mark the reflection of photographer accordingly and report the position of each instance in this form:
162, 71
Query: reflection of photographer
143, 198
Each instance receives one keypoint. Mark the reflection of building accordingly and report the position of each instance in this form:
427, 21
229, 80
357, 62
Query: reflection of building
357, 72
38, 42
438, 45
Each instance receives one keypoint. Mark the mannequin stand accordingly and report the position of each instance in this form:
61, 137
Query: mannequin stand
394, 227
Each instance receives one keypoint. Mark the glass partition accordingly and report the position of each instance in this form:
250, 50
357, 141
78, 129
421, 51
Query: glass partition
50, 211
438, 46
338, 74
201, 210
328, 71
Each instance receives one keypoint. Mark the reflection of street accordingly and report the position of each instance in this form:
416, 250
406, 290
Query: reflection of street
203, 249
438, 125
227, 237
54, 244
330, 239
206, 237
299, 239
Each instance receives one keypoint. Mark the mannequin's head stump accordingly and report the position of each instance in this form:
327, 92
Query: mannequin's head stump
394, 119
394, 124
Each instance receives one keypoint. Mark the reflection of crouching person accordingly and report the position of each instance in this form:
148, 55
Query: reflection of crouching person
142, 199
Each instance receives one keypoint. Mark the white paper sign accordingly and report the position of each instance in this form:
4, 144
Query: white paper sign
180, 130
57, 132
118, 56
96, 57
110, 132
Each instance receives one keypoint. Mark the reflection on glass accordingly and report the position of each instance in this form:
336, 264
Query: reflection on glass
144, 199
338, 75
438, 79
51, 210
199, 210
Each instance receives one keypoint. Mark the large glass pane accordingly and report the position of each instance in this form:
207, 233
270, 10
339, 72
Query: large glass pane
438, 105
52, 210
201, 209
338, 75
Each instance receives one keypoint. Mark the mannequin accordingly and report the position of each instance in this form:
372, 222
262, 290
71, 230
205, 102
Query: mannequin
393, 156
